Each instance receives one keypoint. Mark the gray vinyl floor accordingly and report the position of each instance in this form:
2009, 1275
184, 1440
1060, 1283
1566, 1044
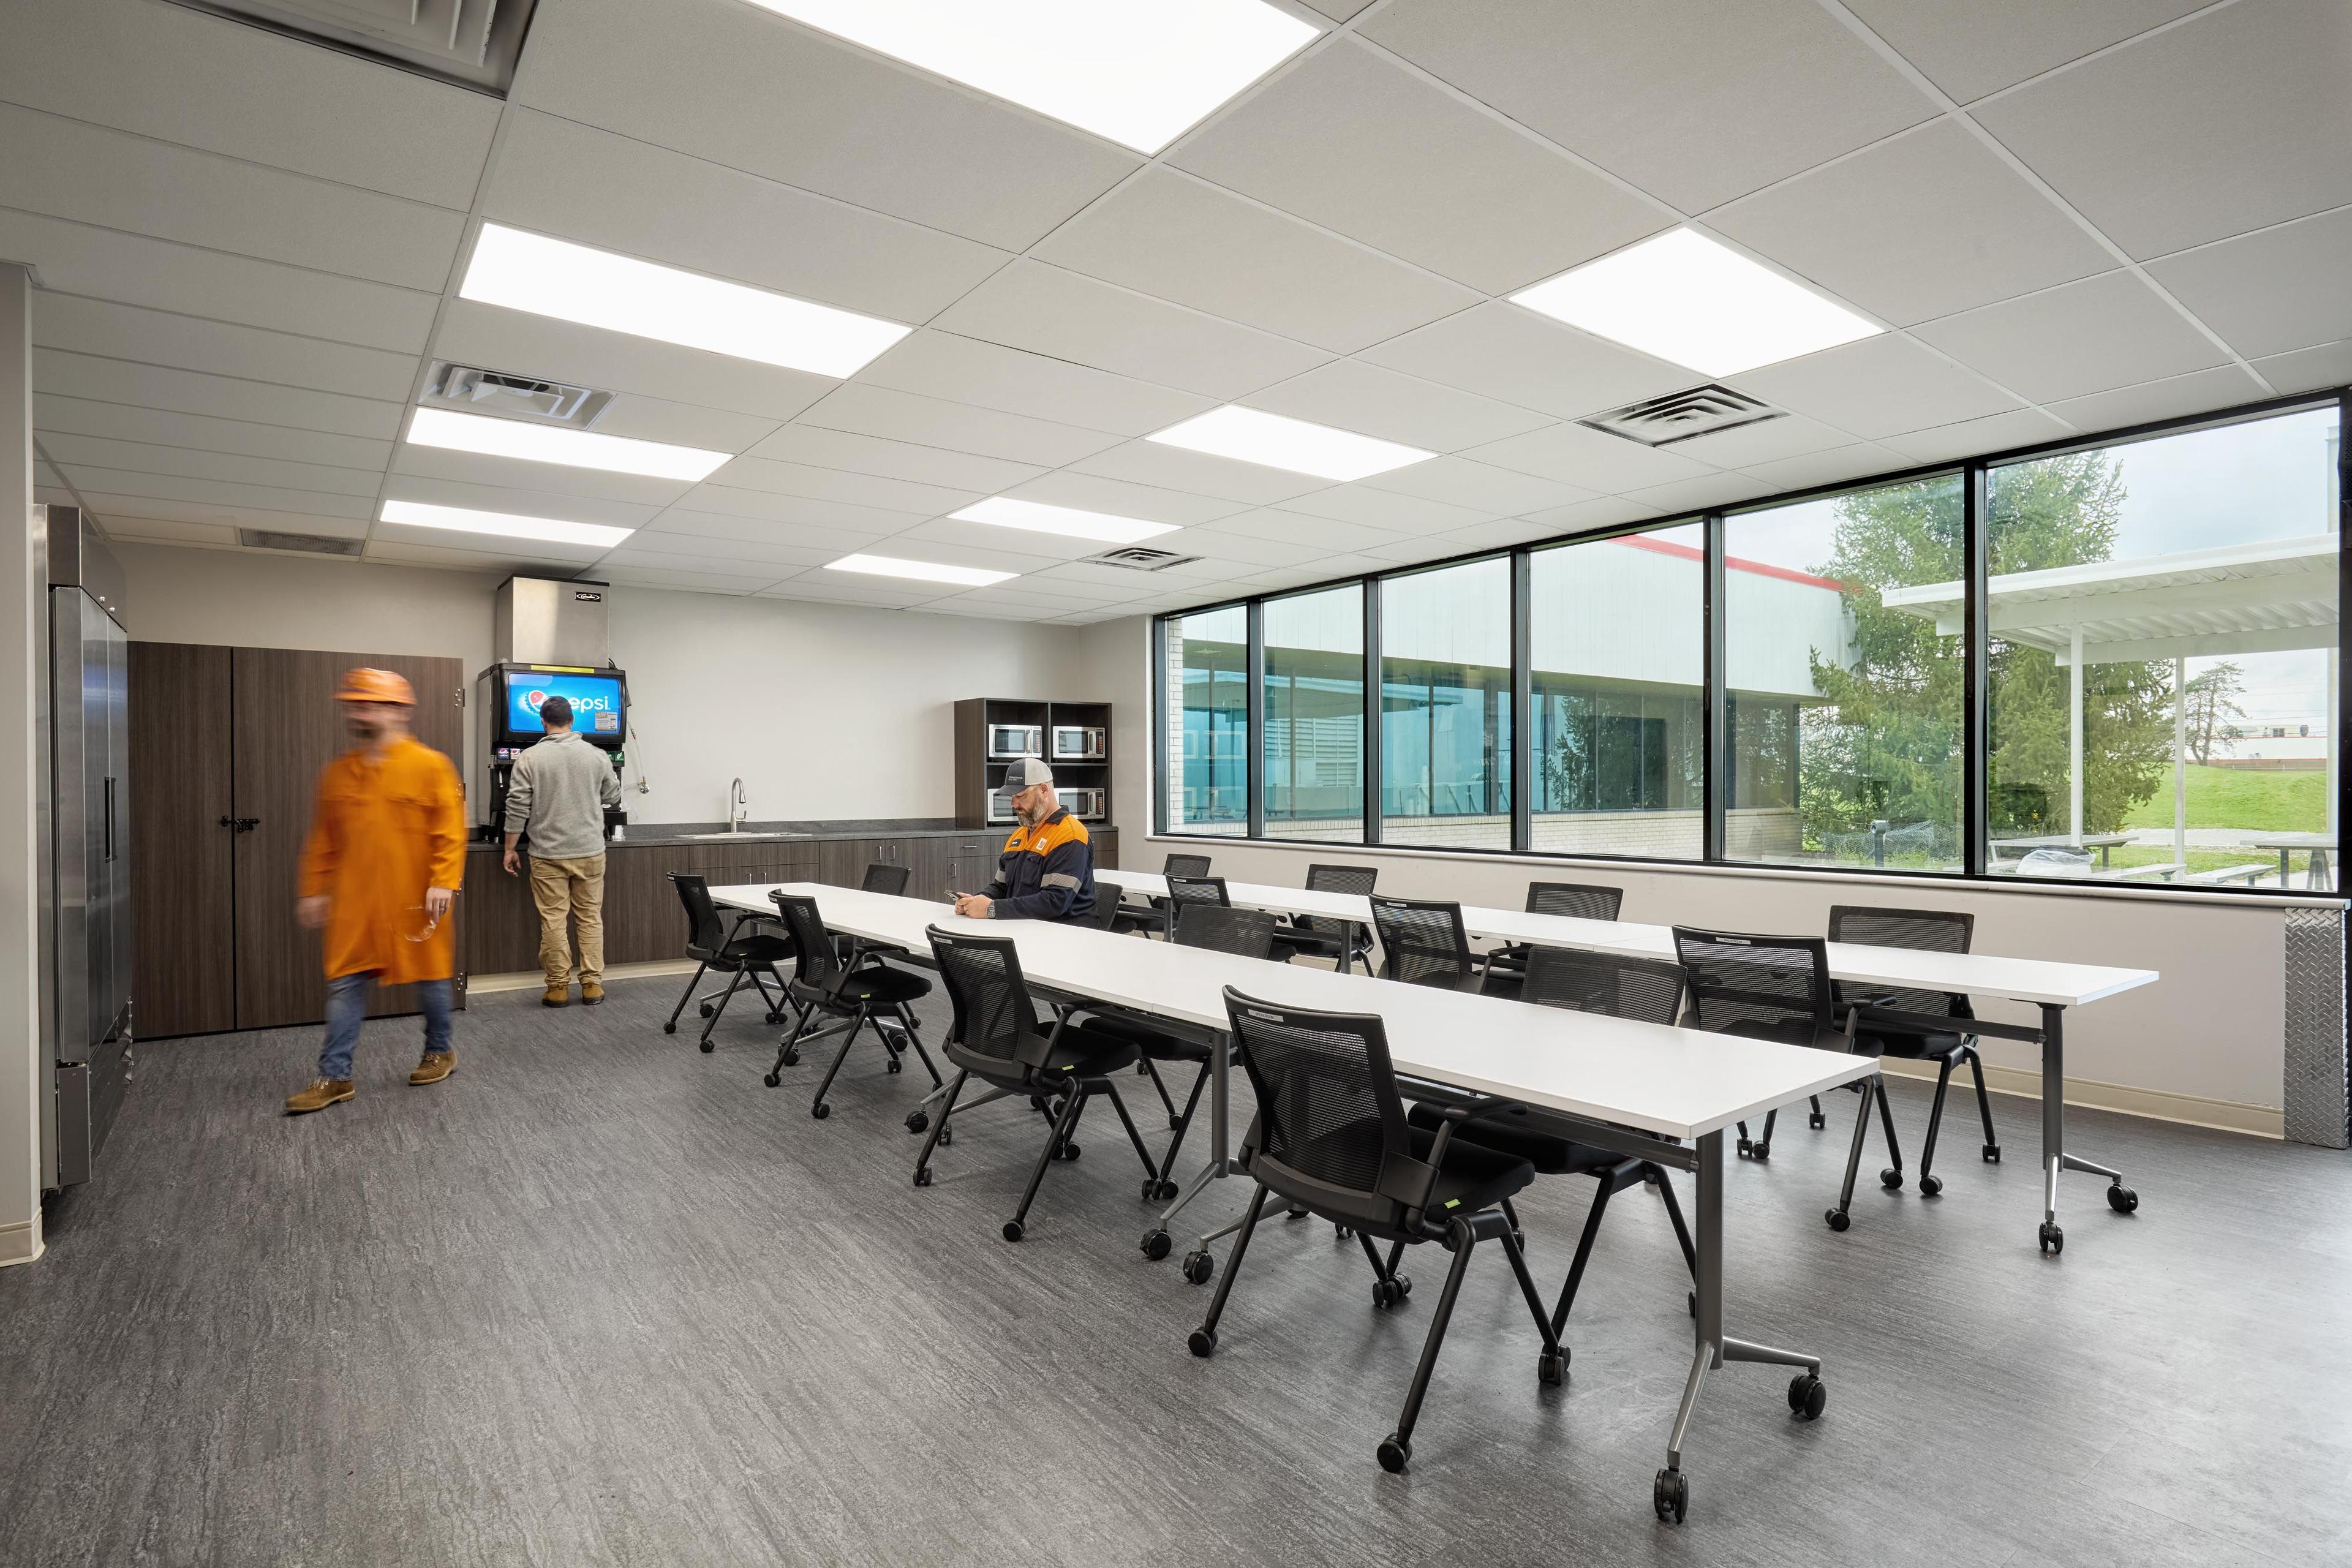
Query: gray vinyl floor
600, 1299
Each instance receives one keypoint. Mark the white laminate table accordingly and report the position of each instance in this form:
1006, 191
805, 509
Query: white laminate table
1655, 1093
2050, 986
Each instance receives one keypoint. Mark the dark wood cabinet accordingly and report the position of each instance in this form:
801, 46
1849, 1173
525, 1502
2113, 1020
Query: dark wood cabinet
841, 862
1073, 737
184, 956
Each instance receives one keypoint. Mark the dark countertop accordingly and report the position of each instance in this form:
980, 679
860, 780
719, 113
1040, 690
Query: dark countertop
657, 834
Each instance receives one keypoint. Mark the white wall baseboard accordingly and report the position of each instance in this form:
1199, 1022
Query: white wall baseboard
2156, 1104
532, 980
21, 1242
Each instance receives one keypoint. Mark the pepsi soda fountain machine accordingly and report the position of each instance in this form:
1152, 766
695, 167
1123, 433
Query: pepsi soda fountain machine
506, 698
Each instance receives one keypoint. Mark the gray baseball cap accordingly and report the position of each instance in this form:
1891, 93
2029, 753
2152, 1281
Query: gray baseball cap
1025, 771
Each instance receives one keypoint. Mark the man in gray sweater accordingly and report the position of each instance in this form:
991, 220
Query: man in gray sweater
559, 790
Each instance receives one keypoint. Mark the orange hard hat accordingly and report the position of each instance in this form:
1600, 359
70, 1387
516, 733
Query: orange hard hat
364, 685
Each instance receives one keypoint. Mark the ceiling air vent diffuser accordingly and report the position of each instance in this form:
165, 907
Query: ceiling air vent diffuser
470, 391
1140, 558
1680, 415
474, 43
309, 543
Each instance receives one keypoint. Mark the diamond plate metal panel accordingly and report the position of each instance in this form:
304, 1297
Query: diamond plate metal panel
2319, 1103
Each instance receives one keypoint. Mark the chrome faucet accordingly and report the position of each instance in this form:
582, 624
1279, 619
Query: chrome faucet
738, 806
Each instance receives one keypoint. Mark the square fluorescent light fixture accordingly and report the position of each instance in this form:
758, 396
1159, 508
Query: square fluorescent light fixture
1683, 297
1138, 71
921, 570
1003, 511
1274, 441
506, 525
621, 294
551, 444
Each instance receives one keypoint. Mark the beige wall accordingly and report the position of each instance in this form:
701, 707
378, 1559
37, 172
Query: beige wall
24, 1079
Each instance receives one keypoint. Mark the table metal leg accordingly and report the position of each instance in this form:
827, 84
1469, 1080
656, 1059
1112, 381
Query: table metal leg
2283, 871
1155, 1244
2054, 1157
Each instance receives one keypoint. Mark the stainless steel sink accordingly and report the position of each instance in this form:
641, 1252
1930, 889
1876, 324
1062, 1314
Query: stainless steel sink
725, 838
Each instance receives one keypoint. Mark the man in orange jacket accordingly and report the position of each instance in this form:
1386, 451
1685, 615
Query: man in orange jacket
387, 853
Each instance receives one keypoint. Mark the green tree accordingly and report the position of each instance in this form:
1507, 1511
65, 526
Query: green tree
2211, 702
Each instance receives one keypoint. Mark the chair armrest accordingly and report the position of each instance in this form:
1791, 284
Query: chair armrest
1452, 1117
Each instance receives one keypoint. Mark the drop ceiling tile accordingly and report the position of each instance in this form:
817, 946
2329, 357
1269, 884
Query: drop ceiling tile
217, 348
483, 544
980, 608
644, 418
238, 90
1253, 549
817, 447
1767, 440
957, 427
187, 391
1385, 509
489, 562
1324, 533
138, 456
1693, 100
1974, 438
107, 264
2203, 130
109, 504
1587, 459
1350, 395
840, 485
1177, 468
162, 427
1184, 239
93, 479
1323, 572
657, 541
1877, 387
1460, 481
634, 553
1827, 468
129, 529
1011, 595
2329, 364
745, 88
1067, 315
823, 587
1414, 552
1587, 516
495, 338
1972, 50
1010, 553
1503, 351
2267, 293
723, 501
630, 575
559, 177
521, 502
963, 370
1500, 534
1339, 10
1882, 229
547, 478
1351, 139
2196, 392
1689, 495
1092, 493
2106, 331
831, 539
1086, 586
69, 169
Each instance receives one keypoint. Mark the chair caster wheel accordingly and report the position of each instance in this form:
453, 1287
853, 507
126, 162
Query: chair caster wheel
1551, 1367
923, 1177
895, 1066
1690, 1300
1891, 1179
1198, 1266
1839, 1219
2053, 1240
1156, 1191
792, 1059
947, 1136
669, 1028
1394, 1456
1670, 1495
1747, 1148
1931, 1187
707, 1010
1343, 1233
1155, 1245
820, 1111
1992, 1153
709, 1047
775, 1017
919, 1122
2122, 1199
772, 1080
1203, 1342
1763, 1150
1066, 1152
1386, 1294
1807, 1396
1175, 1124
1816, 1121
1013, 1231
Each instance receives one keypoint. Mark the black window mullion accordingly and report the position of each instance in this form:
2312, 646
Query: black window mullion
1375, 711
1522, 776
1158, 686
1714, 719
1976, 756
1253, 668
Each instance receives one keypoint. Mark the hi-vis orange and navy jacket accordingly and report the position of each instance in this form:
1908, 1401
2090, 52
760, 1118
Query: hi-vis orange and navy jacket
380, 834
1046, 872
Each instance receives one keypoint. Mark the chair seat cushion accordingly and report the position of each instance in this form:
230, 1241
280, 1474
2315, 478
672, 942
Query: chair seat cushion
1472, 1177
756, 949
1084, 1050
1932, 1045
1148, 1041
1550, 1153
872, 985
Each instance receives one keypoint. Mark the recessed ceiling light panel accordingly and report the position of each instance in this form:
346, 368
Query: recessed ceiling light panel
505, 524
1685, 298
1136, 72
1254, 436
619, 293
1003, 511
921, 570
554, 443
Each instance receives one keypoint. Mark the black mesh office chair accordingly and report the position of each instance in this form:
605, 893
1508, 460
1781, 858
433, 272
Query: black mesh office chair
854, 992
1764, 988
1422, 944
1189, 892
1579, 900
1000, 1040
1649, 989
1927, 931
1343, 942
1332, 1138
878, 878
1151, 916
735, 952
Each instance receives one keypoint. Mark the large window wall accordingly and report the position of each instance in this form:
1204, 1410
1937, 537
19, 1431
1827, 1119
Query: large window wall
2116, 662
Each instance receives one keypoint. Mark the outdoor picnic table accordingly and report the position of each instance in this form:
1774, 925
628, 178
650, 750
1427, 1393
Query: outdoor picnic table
2102, 842
2320, 844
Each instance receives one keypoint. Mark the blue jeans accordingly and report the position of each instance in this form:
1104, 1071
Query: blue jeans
347, 998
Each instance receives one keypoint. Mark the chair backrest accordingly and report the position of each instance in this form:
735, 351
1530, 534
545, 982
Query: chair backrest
1246, 933
815, 961
1186, 866
1327, 1104
1335, 880
994, 1014
1184, 891
1773, 985
1103, 914
705, 934
881, 878
1925, 931
1581, 900
1649, 989
1423, 938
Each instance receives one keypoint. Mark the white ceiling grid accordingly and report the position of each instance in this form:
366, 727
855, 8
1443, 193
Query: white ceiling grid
2068, 218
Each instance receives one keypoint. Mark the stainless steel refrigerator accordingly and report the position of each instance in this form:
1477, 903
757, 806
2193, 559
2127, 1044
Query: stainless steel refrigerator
85, 815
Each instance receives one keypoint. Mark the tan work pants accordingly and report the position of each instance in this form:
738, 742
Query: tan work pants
575, 887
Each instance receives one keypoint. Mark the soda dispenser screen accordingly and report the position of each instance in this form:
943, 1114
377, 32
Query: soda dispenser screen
596, 702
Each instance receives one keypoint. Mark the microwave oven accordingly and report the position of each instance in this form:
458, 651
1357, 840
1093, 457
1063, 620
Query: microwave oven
1015, 741
1087, 805
1080, 743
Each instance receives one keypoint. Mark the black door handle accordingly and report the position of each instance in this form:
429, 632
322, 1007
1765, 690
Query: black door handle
242, 824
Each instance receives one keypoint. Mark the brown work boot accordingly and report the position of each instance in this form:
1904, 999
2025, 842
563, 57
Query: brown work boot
434, 1066
322, 1093
555, 997
591, 993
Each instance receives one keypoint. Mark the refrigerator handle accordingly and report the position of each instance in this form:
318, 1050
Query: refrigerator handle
109, 819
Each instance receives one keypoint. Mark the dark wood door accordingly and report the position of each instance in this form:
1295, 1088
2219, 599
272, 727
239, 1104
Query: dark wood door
184, 959
284, 728
841, 862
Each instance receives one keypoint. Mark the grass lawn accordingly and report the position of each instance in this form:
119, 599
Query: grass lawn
2227, 797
